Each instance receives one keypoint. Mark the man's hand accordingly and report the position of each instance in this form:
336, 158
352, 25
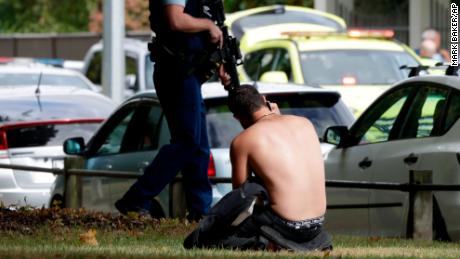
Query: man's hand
216, 34
224, 77
274, 107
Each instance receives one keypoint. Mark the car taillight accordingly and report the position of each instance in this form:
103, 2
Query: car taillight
211, 166
3, 144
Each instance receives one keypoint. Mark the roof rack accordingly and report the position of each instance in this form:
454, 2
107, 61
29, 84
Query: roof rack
414, 70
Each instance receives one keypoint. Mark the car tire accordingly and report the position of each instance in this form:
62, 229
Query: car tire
57, 202
439, 225
156, 211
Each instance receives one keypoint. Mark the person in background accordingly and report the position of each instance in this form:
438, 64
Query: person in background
441, 55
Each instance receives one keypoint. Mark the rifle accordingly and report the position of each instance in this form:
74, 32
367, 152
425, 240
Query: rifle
230, 54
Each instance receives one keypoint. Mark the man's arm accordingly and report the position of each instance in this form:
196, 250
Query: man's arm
239, 160
180, 21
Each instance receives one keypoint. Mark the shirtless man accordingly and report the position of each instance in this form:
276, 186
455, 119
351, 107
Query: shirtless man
284, 153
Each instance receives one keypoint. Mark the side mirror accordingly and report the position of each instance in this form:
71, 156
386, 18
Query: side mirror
74, 146
336, 135
130, 82
274, 77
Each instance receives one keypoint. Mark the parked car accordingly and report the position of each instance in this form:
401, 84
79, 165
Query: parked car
138, 67
32, 74
360, 65
132, 136
414, 126
33, 126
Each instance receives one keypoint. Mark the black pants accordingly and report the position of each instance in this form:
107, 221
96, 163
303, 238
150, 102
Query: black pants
216, 229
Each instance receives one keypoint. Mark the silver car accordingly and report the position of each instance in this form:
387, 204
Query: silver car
132, 135
34, 122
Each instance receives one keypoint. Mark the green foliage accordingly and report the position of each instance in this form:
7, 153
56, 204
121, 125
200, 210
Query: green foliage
237, 5
44, 15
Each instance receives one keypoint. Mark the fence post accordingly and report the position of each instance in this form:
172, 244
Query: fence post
72, 183
177, 203
421, 206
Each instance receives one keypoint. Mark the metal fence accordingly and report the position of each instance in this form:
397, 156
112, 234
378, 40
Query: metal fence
71, 46
420, 217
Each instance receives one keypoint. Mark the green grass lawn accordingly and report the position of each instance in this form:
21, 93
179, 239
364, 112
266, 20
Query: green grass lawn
57, 235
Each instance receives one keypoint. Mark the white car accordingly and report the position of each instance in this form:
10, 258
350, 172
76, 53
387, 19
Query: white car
414, 126
132, 136
32, 74
33, 126
138, 67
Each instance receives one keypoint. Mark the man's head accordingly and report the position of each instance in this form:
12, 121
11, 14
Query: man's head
427, 49
433, 35
243, 102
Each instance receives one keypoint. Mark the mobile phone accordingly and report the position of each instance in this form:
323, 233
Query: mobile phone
268, 105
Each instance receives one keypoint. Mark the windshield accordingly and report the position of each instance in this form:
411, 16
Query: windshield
322, 109
362, 67
25, 79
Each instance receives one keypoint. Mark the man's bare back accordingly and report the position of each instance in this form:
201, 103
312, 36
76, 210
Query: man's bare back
284, 151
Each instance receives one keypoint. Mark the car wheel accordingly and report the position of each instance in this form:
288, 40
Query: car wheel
57, 202
156, 211
439, 225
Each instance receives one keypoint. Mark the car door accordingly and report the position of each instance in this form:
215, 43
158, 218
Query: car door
348, 208
139, 146
127, 142
402, 153
101, 151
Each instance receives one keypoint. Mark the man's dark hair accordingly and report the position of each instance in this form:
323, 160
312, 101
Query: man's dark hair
244, 100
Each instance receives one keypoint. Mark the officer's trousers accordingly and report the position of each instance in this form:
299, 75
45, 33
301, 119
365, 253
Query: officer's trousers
188, 150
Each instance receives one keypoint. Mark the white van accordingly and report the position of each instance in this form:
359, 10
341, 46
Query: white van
139, 68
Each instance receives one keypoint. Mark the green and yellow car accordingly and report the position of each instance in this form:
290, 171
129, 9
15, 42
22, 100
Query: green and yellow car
359, 64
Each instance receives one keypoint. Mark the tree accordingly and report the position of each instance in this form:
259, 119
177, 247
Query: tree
44, 15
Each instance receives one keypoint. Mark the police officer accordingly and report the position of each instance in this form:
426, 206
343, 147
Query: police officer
182, 38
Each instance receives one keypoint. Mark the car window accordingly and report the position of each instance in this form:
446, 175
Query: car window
48, 135
94, 72
134, 129
426, 113
377, 123
111, 144
151, 129
323, 110
149, 73
261, 61
283, 63
365, 67
131, 69
453, 111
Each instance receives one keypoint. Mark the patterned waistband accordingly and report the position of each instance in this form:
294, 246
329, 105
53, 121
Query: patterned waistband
306, 223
